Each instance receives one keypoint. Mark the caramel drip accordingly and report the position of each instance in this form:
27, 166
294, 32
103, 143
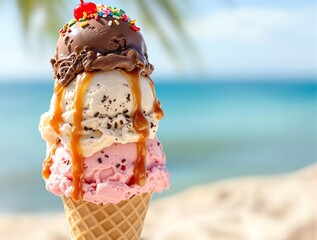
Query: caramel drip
57, 118
159, 114
55, 121
46, 170
141, 126
76, 134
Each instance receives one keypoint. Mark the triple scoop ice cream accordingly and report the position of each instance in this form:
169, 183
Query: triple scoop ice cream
101, 126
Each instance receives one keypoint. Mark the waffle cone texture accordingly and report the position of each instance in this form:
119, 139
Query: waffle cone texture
122, 221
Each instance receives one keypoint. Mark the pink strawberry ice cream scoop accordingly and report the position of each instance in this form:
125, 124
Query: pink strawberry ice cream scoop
108, 172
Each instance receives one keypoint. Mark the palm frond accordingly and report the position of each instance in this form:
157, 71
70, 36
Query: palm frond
52, 11
152, 22
53, 16
174, 16
176, 20
27, 8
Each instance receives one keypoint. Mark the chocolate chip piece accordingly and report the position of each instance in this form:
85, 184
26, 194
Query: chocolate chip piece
104, 98
99, 160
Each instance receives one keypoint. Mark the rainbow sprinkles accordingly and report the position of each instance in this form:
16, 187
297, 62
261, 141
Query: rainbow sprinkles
97, 11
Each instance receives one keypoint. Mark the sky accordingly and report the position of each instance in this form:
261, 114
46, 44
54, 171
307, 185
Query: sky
234, 39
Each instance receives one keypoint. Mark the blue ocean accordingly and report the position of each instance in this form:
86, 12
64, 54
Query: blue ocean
212, 130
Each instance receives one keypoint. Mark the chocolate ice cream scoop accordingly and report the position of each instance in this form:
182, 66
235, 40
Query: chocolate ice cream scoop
99, 44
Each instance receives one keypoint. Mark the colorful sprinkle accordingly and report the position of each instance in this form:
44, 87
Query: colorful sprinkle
135, 28
71, 23
102, 11
118, 14
65, 27
83, 24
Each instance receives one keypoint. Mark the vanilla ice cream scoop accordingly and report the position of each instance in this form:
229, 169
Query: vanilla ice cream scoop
107, 114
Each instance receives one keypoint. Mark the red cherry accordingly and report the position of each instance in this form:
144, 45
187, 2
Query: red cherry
87, 7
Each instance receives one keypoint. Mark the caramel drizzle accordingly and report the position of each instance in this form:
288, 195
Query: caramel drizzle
57, 118
159, 114
46, 170
55, 121
141, 126
75, 136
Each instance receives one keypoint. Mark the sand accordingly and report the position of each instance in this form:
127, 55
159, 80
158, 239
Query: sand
254, 208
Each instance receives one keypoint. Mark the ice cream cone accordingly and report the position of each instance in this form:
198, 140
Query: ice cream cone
111, 221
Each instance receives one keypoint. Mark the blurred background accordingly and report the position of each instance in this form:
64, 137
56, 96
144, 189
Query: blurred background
237, 80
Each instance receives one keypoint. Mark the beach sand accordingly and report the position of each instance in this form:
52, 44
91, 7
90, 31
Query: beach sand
253, 208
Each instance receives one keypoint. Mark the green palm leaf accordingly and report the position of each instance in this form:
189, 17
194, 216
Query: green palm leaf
175, 19
53, 18
27, 8
151, 21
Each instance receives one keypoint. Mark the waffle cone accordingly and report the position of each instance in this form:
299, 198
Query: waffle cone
89, 221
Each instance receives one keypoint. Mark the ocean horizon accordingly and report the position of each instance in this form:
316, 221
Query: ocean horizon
212, 130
